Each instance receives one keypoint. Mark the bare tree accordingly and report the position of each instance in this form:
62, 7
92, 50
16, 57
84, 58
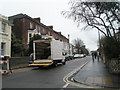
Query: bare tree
104, 16
78, 43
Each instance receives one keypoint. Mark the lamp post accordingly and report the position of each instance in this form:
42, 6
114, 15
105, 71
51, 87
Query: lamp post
99, 38
69, 43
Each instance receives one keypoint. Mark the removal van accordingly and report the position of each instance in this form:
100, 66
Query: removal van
47, 52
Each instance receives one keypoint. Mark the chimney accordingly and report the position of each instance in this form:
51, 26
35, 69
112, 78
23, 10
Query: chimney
37, 19
59, 33
51, 27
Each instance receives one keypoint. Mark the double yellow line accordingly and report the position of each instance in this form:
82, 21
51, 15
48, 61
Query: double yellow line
70, 75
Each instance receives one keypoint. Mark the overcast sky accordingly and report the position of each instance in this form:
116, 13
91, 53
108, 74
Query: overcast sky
50, 13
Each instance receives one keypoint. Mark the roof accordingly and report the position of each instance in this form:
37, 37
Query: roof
18, 16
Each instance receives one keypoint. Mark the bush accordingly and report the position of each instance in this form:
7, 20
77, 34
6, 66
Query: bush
17, 47
114, 66
111, 48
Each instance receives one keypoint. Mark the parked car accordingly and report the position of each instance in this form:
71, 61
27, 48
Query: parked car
69, 57
82, 55
79, 55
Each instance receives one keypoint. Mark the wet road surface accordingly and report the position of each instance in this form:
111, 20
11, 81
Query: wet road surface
47, 77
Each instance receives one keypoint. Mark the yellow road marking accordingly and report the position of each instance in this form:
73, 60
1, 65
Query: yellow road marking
66, 78
92, 80
39, 64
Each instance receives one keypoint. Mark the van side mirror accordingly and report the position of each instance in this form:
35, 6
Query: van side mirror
64, 53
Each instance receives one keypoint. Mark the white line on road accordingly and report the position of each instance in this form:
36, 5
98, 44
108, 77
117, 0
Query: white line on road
65, 86
65, 79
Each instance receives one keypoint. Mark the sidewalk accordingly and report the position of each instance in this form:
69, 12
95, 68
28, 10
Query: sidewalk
96, 74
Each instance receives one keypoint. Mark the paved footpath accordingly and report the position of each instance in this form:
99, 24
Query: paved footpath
96, 74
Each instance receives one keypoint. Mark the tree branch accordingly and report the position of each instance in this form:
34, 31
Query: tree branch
94, 16
115, 15
94, 26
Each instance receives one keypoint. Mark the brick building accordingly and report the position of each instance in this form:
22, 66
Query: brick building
25, 27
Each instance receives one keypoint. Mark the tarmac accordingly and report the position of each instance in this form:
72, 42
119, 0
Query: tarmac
96, 74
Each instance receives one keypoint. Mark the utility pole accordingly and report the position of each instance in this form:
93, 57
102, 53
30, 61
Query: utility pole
99, 38
69, 43
99, 35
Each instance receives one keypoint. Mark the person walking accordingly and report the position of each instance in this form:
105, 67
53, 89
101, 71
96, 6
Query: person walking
93, 56
98, 55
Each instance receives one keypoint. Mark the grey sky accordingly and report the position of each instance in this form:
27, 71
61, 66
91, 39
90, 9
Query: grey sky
50, 13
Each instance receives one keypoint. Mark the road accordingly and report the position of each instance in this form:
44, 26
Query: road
47, 77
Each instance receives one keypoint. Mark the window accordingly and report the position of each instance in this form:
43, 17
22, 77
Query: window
43, 31
37, 28
49, 33
3, 27
2, 48
39, 31
31, 26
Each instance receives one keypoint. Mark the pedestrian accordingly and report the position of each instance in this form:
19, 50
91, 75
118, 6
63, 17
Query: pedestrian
93, 56
98, 55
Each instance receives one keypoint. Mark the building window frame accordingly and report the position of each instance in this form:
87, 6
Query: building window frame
37, 28
31, 25
30, 35
4, 26
3, 48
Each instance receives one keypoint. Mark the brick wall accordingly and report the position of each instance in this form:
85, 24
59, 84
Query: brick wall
17, 28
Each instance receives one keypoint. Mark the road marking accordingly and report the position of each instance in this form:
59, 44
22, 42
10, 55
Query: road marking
67, 81
66, 85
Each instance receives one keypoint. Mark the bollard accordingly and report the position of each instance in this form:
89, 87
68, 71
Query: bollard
4, 65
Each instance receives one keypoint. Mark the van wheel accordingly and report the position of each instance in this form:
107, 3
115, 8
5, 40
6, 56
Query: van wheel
54, 64
64, 62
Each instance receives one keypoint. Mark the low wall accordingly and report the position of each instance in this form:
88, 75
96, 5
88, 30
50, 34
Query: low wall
114, 66
17, 62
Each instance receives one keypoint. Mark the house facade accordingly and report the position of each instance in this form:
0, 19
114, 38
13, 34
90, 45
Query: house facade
5, 36
24, 27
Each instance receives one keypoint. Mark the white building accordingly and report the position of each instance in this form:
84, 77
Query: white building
5, 36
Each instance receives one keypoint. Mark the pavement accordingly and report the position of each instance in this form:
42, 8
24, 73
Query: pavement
96, 74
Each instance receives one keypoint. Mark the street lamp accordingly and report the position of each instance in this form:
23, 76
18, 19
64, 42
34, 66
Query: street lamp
69, 43
99, 37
